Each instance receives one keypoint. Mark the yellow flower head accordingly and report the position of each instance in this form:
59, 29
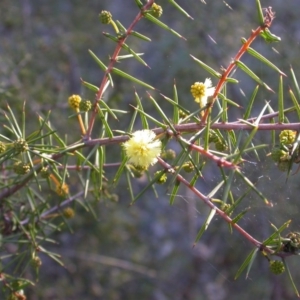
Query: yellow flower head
74, 101
62, 189
68, 213
287, 137
142, 149
201, 91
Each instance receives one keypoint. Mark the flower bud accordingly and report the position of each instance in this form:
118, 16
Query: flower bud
68, 213
21, 145
85, 105
221, 145
277, 153
168, 154
287, 137
188, 167
277, 267
36, 262
182, 114
162, 179
105, 17
114, 198
62, 189
45, 172
21, 168
212, 136
2, 147
156, 10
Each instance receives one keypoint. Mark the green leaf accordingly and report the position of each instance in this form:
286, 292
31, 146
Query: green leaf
162, 25
122, 57
247, 263
101, 64
159, 124
127, 76
14, 124
223, 97
260, 13
119, 171
100, 161
107, 108
228, 185
105, 123
85, 160
206, 133
231, 80
53, 255
269, 37
180, 9
132, 121
140, 36
254, 188
291, 278
190, 115
243, 67
98, 61
257, 121
121, 27
127, 48
274, 235
224, 117
139, 3
295, 102
210, 217
239, 216
145, 124
215, 190
129, 185
133, 33
280, 102
253, 132
157, 176
161, 112
194, 180
180, 159
204, 226
175, 107
250, 103
257, 55
153, 181
207, 68
295, 83
237, 202
174, 192
57, 137
23, 120
90, 86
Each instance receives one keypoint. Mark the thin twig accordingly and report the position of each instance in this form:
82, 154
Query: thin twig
210, 204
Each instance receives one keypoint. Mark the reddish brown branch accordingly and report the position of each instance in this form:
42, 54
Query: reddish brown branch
220, 161
190, 127
210, 204
111, 64
255, 33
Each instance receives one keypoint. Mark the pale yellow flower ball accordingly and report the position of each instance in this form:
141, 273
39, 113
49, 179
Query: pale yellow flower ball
142, 149
201, 91
74, 101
